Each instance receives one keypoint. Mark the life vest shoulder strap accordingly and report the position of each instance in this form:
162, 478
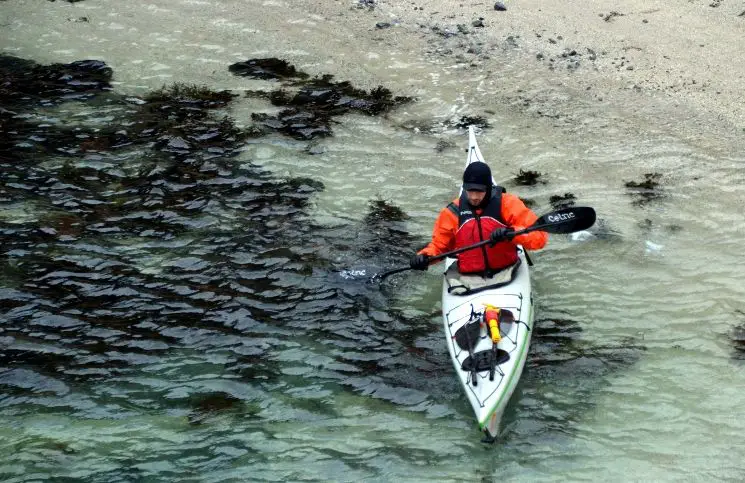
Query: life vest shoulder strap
497, 194
454, 208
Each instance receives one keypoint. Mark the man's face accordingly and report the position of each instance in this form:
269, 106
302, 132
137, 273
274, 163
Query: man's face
475, 197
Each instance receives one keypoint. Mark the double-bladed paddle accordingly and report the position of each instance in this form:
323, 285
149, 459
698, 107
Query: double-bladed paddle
567, 220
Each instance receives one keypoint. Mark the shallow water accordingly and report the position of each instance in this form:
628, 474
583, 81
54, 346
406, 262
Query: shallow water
213, 331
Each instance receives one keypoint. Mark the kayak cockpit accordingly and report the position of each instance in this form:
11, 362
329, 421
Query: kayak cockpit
465, 284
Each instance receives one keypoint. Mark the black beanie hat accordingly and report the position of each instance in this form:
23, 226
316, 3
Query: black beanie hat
477, 176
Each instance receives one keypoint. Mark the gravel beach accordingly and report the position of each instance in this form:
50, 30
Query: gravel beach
676, 68
644, 65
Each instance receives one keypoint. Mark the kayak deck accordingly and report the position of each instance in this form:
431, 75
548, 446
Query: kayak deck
489, 393
491, 372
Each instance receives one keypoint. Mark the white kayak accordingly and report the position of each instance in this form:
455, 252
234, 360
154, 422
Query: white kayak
488, 371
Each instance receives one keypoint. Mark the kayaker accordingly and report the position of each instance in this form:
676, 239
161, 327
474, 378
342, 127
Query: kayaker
482, 211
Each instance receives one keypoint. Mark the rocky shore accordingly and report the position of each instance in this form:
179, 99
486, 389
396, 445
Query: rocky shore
675, 69
678, 68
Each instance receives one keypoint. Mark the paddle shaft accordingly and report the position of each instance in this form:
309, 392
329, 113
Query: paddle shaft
442, 256
567, 220
486, 242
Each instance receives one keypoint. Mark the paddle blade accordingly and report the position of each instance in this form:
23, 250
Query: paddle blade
482, 360
379, 277
567, 220
467, 336
506, 316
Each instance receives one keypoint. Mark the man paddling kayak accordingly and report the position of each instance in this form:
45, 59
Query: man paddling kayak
482, 211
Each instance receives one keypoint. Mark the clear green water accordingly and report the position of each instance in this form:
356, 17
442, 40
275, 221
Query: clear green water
230, 354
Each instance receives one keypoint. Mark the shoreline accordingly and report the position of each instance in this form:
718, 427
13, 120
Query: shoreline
680, 68
650, 67
673, 69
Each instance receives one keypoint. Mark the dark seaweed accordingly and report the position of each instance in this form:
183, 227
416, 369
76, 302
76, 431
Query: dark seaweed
527, 178
647, 190
145, 237
312, 104
737, 337
465, 121
268, 68
562, 201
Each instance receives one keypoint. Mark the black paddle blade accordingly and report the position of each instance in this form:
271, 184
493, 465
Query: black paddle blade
567, 220
482, 361
379, 277
506, 316
468, 335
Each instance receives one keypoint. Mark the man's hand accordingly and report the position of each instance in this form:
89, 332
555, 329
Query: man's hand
419, 262
500, 234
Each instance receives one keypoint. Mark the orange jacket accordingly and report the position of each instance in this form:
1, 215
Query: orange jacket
514, 213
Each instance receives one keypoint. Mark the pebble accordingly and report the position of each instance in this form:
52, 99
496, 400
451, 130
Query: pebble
500, 6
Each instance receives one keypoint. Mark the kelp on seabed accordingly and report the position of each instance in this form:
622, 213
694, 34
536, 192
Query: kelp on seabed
130, 232
310, 105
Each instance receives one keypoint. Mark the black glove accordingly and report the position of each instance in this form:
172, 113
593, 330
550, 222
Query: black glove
419, 262
500, 234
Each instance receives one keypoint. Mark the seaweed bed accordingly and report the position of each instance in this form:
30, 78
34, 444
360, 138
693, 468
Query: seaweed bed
647, 190
310, 104
130, 231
